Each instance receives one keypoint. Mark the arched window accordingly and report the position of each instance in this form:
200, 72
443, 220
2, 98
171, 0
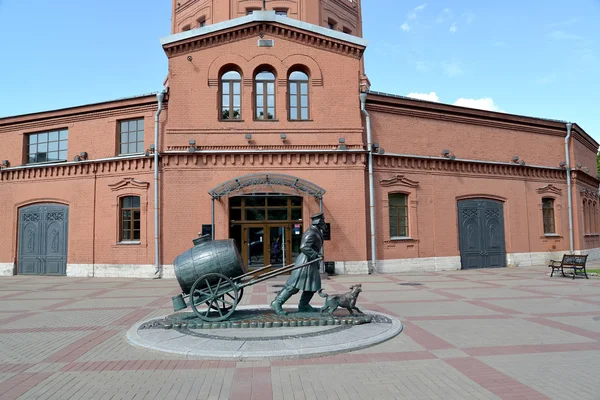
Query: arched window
231, 95
586, 220
548, 215
595, 218
130, 219
298, 90
264, 85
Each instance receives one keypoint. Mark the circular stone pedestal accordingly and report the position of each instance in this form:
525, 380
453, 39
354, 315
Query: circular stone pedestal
180, 334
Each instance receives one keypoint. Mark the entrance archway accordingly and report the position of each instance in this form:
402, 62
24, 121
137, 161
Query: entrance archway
265, 215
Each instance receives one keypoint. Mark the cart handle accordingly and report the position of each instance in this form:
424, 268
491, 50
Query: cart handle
253, 272
269, 275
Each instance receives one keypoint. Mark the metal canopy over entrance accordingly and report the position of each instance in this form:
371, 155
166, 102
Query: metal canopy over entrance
264, 183
259, 184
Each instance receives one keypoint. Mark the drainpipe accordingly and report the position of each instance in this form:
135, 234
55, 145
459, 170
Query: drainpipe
569, 196
363, 100
159, 97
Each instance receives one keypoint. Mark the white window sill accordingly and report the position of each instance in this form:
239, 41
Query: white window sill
128, 243
400, 238
552, 235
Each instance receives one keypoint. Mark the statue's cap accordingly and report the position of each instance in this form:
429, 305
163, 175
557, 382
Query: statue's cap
317, 216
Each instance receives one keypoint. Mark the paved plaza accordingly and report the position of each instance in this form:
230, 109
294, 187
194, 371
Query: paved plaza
509, 333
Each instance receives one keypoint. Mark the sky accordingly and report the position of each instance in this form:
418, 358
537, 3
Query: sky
535, 58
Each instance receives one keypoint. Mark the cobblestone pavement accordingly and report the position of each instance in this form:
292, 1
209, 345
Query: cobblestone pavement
486, 334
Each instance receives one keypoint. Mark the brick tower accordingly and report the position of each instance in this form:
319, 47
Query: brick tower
340, 15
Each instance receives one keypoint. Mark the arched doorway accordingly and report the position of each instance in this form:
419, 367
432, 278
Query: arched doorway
43, 239
481, 233
265, 215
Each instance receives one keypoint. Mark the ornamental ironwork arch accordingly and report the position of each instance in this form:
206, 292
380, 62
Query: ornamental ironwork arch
261, 183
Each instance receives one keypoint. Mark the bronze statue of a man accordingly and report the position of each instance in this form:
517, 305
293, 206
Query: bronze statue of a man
307, 279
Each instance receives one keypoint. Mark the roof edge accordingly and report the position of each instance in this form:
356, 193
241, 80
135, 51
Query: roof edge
103, 105
424, 105
262, 16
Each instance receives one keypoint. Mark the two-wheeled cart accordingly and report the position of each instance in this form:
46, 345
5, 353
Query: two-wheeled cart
212, 274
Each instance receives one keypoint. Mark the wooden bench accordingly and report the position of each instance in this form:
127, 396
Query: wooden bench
571, 261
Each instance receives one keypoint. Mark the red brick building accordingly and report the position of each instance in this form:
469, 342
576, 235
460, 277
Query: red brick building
266, 119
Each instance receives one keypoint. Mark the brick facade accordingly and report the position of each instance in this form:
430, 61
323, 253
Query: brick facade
329, 150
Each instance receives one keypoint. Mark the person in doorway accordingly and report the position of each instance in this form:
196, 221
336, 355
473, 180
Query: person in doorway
307, 279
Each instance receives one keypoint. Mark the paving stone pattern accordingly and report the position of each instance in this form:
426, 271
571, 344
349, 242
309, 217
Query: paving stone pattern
485, 334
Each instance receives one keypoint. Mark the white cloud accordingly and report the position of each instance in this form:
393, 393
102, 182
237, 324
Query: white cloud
445, 15
469, 17
413, 14
421, 7
452, 69
485, 103
453, 28
424, 96
405, 27
560, 35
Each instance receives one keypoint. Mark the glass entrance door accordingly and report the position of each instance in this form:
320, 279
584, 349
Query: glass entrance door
277, 246
267, 245
255, 242
266, 228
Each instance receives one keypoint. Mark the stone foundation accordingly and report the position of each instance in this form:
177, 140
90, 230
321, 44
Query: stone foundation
7, 269
118, 271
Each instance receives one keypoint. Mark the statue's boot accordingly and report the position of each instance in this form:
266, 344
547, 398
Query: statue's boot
281, 298
304, 305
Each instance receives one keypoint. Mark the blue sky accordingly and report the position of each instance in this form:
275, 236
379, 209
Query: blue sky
524, 57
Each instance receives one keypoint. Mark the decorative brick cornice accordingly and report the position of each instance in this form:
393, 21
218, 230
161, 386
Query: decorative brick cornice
589, 194
549, 189
251, 148
462, 168
252, 30
586, 179
399, 180
172, 160
78, 170
128, 183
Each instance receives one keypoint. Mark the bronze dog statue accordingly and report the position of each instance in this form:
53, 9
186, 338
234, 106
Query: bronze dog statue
346, 300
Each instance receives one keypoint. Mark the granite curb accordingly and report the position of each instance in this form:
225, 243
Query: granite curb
175, 342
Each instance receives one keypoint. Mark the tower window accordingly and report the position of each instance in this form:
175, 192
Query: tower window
202, 22
186, 28
331, 24
298, 90
264, 84
281, 12
231, 96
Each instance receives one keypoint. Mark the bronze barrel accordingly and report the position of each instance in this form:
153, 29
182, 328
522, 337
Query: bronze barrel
208, 256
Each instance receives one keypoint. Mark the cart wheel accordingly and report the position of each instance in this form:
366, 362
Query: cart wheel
225, 307
220, 295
